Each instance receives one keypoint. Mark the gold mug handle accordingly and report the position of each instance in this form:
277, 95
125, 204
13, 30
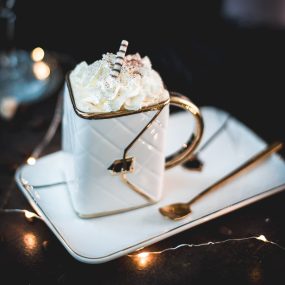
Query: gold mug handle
182, 155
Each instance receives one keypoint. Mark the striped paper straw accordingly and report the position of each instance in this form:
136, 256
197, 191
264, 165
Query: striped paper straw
119, 59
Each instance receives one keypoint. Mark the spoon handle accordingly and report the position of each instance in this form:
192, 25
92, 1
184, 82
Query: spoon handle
274, 147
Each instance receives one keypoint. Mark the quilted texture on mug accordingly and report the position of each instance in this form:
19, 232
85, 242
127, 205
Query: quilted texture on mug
91, 146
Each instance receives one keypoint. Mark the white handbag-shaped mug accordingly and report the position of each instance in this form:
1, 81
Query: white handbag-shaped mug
115, 162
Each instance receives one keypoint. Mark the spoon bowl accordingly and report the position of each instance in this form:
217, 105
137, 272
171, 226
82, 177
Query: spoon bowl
176, 211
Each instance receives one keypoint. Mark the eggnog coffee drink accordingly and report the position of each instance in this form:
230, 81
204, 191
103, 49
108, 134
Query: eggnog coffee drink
117, 82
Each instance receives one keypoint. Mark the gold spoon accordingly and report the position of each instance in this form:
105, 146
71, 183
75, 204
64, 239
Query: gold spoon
179, 211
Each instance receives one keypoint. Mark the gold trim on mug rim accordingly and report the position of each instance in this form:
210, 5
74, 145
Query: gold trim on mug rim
108, 115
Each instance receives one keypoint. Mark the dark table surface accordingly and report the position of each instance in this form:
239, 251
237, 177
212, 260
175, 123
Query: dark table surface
220, 64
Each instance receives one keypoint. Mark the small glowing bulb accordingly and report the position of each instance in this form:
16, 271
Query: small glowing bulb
262, 238
29, 215
37, 54
142, 260
31, 160
143, 255
30, 241
41, 70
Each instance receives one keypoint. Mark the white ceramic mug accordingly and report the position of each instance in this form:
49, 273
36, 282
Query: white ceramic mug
115, 161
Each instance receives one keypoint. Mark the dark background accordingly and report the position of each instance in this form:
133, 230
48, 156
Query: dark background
214, 59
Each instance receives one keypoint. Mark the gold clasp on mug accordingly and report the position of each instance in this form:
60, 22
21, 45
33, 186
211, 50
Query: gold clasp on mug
124, 165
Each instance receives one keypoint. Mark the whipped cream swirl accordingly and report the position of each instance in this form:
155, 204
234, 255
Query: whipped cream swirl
137, 85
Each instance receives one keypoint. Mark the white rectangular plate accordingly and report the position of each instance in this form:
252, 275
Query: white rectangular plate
102, 239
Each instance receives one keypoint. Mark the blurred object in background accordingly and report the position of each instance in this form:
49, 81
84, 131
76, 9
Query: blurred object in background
256, 12
24, 77
7, 23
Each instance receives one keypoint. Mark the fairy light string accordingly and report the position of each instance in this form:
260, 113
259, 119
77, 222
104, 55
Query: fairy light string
30, 216
50, 133
145, 258
183, 245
